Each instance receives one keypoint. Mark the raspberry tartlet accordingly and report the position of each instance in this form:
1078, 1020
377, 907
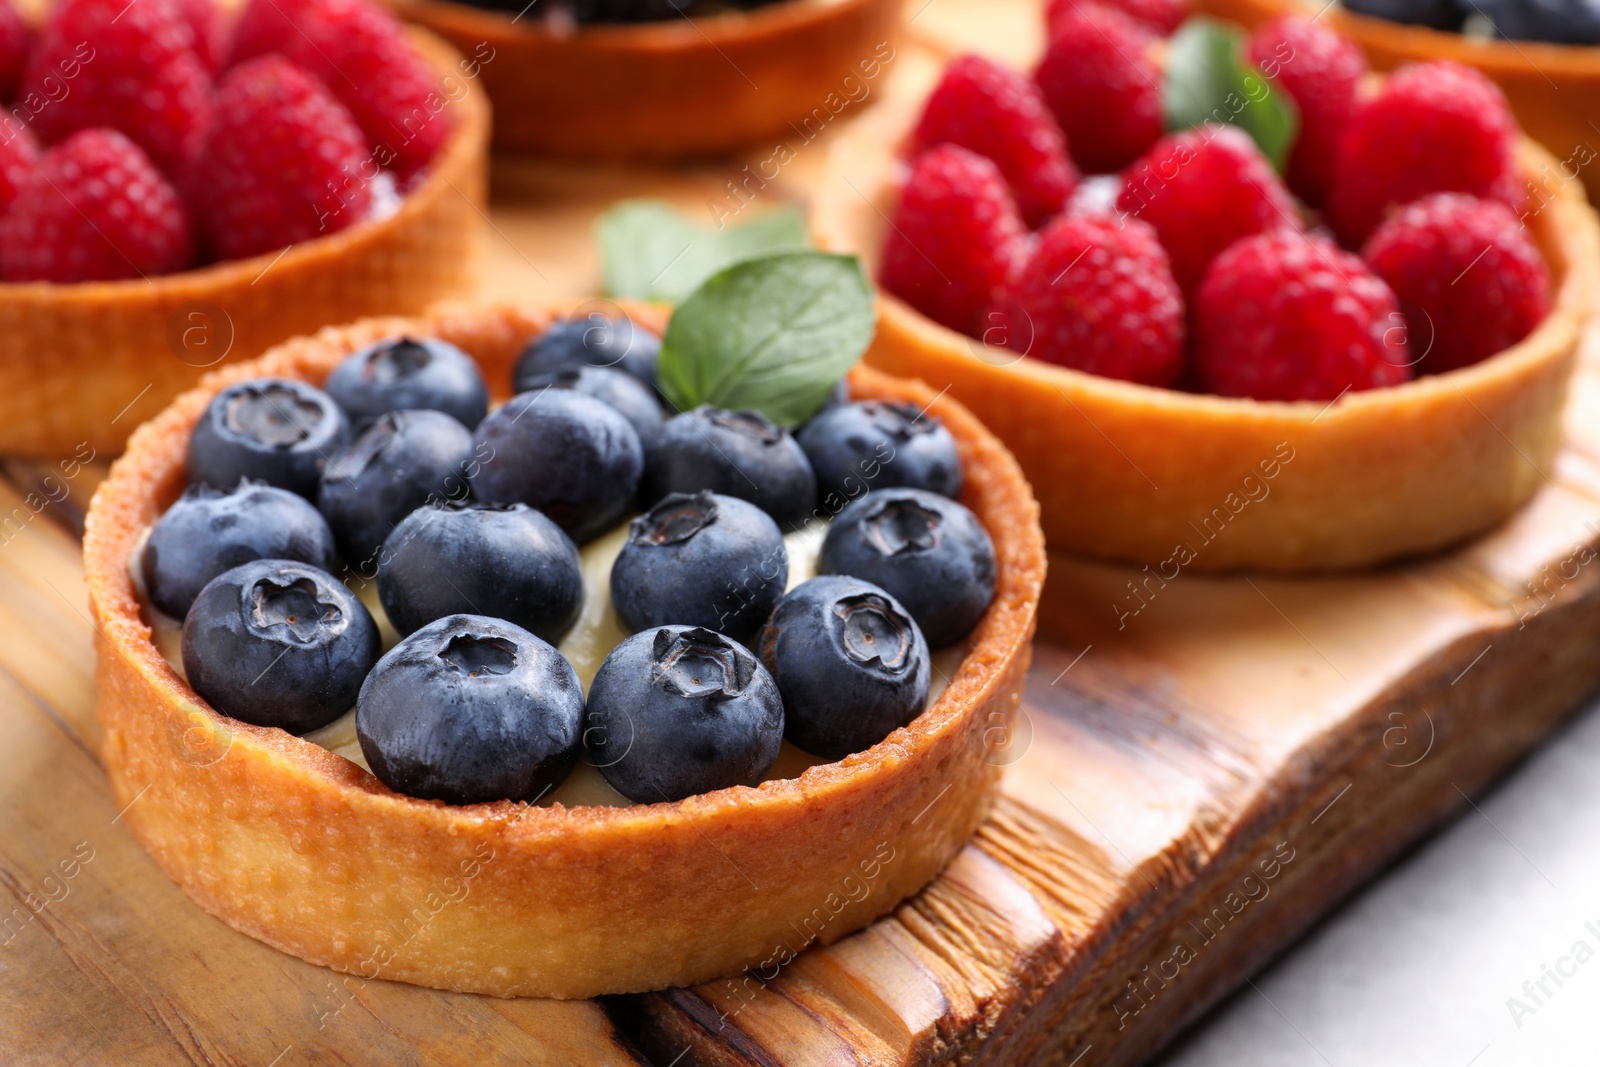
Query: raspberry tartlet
245, 196
292, 840
674, 88
1203, 366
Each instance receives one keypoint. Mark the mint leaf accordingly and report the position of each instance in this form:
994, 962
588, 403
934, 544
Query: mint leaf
774, 334
651, 251
1208, 80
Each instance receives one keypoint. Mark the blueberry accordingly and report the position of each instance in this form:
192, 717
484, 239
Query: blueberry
595, 340
400, 462
470, 709
622, 391
839, 397
1439, 14
703, 560
207, 531
508, 562
278, 643
1558, 21
873, 445
276, 430
681, 710
930, 553
850, 662
569, 455
735, 453
404, 373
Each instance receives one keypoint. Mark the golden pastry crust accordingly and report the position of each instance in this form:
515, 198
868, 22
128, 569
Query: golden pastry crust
304, 850
75, 358
668, 90
1181, 481
1553, 88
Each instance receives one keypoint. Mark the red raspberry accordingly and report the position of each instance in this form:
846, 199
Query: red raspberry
13, 49
1160, 17
1470, 280
283, 162
1097, 297
362, 54
1203, 189
133, 67
210, 30
955, 238
94, 208
1102, 85
1283, 316
996, 112
1319, 69
18, 154
1432, 128
266, 26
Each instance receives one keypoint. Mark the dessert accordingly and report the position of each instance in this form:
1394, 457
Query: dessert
774, 77
1280, 405
581, 893
238, 197
563, 14
1548, 67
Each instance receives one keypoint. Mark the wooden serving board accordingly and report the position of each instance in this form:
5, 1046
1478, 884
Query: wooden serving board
1202, 768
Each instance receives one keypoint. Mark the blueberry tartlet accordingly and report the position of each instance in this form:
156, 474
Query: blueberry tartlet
588, 705
668, 79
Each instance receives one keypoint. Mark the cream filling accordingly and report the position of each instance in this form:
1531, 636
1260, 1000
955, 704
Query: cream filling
586, 646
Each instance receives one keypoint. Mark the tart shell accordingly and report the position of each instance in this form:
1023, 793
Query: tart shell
1180, 481
669, 90
87, 362
1554, 89
304, 850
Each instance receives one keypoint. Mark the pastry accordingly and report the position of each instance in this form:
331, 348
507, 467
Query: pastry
774, 78
1223, 445
91, 347
301, 847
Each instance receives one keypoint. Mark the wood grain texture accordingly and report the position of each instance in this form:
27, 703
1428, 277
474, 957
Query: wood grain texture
1120, 887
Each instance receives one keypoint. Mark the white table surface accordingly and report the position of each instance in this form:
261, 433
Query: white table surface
1417, 969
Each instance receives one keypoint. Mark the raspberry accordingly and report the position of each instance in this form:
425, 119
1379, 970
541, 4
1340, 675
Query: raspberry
266, 26
1097, 297
282, 162
1320, 70
1160, 17
1103, 87
956, 235
996, 112
94, 208
1470, 280
133, 67
18, 154
362, 54
210, 31
1203, 189
1432, 128
1282, 316
13, 49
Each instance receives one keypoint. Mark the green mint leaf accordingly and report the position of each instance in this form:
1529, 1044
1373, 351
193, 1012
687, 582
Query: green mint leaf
1209, 80
774, 334
651, 251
